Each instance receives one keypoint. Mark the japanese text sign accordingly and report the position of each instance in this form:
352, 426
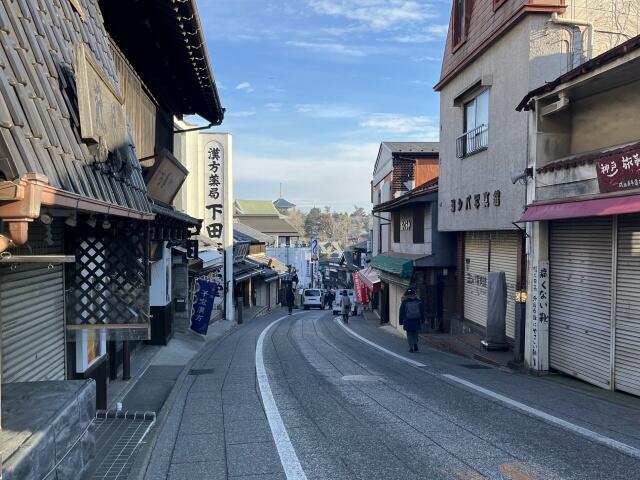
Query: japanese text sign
203, 298
620, 171
214, 196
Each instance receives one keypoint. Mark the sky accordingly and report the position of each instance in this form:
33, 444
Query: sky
311, 88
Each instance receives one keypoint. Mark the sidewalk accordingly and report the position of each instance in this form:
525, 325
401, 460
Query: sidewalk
156, 372
463, 344
609, 413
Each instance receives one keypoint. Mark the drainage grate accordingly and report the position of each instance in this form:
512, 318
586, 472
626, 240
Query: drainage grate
201, 371
475, 366
118, 434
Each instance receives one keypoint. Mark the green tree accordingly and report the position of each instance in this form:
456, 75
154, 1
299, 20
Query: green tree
312, 222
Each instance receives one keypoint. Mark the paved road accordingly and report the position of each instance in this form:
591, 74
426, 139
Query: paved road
330, 406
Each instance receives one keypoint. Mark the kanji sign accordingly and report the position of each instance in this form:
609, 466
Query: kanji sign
203, 298
539, 308
619, 171
214, 155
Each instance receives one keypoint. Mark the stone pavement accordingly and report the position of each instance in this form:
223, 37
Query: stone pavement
352, 411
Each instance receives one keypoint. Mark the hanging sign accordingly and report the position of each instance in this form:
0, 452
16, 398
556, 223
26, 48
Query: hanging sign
620, 171
203, 299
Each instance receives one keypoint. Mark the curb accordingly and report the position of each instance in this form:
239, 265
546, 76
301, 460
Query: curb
143, 457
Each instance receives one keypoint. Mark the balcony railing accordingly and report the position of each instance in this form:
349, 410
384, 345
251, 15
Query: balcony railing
473, 141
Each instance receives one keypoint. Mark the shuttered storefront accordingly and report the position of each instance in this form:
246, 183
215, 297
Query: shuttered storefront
504, 258
489, 252
32, 315
580, 294
32, 311
476, 266
627, 333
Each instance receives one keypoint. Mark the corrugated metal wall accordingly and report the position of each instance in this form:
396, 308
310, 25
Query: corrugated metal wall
504, 258
476, 265
580, 253
33, 330
627, 334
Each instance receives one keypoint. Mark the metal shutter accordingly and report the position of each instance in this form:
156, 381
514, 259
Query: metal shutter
627, 334
476, 265
504, 258
33, 330
580, 297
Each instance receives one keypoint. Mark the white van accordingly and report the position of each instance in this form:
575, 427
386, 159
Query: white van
312, 298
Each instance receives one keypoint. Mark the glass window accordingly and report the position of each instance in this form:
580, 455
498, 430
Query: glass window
476, 112
458, 26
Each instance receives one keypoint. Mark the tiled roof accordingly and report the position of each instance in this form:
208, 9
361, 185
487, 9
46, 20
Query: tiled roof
39, 119
249, 234
270, 225
413, 147
282, 203
256, 207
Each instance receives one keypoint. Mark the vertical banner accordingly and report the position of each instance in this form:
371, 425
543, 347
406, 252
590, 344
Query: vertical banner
203, 298
539, 311
360, 289
217, 193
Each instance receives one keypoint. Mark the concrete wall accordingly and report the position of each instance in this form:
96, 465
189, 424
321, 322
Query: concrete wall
505, 65
381, 192
395, 299
406, 244
294, 256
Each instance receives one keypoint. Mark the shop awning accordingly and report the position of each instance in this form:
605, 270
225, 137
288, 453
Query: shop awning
394, 264
244, 270
599, 207
370, 278
269, 275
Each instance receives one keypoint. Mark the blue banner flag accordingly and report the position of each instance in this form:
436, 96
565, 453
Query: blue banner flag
203, 297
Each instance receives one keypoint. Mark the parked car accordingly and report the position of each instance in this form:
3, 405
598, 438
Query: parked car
337, 309
312, 298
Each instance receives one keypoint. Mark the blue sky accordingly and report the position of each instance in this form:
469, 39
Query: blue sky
312, 87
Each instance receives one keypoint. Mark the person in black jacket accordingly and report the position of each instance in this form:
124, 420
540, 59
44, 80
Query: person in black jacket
411, 317
290, 298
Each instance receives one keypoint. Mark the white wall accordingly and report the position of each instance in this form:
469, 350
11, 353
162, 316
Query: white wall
297, 257
160, 288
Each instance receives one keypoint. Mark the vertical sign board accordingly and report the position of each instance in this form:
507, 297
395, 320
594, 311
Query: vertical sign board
218, 219
539, 315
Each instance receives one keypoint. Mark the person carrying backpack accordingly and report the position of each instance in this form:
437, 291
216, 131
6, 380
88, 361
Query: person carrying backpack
411, 317
345, 303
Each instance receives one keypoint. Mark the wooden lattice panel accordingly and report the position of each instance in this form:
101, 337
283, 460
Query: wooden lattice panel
108, 284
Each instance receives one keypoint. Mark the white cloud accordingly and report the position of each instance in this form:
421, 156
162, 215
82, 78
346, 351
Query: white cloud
377, 14
317, 110
245, 86
311, 176
428, 34
241, 113
330, 48
415, 127
273, 106
426, 58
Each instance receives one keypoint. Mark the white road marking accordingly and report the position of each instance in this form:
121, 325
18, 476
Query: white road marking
585, 432
288, 458
375, 345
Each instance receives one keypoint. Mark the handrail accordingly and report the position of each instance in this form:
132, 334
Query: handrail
472, 141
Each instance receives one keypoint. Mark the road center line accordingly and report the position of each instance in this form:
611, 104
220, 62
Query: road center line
288, 458
375, 345
585, 432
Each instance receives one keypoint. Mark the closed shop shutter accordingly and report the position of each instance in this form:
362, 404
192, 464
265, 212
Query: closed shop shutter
476, 266
504, 258
580, 298
33, 330
627, 339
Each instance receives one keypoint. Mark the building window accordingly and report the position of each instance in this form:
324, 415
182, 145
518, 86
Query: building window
418, 224
476, 126
396, 227
460, 13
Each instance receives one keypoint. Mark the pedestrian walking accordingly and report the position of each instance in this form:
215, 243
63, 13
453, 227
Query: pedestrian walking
411, 317
290, 299
345, 303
